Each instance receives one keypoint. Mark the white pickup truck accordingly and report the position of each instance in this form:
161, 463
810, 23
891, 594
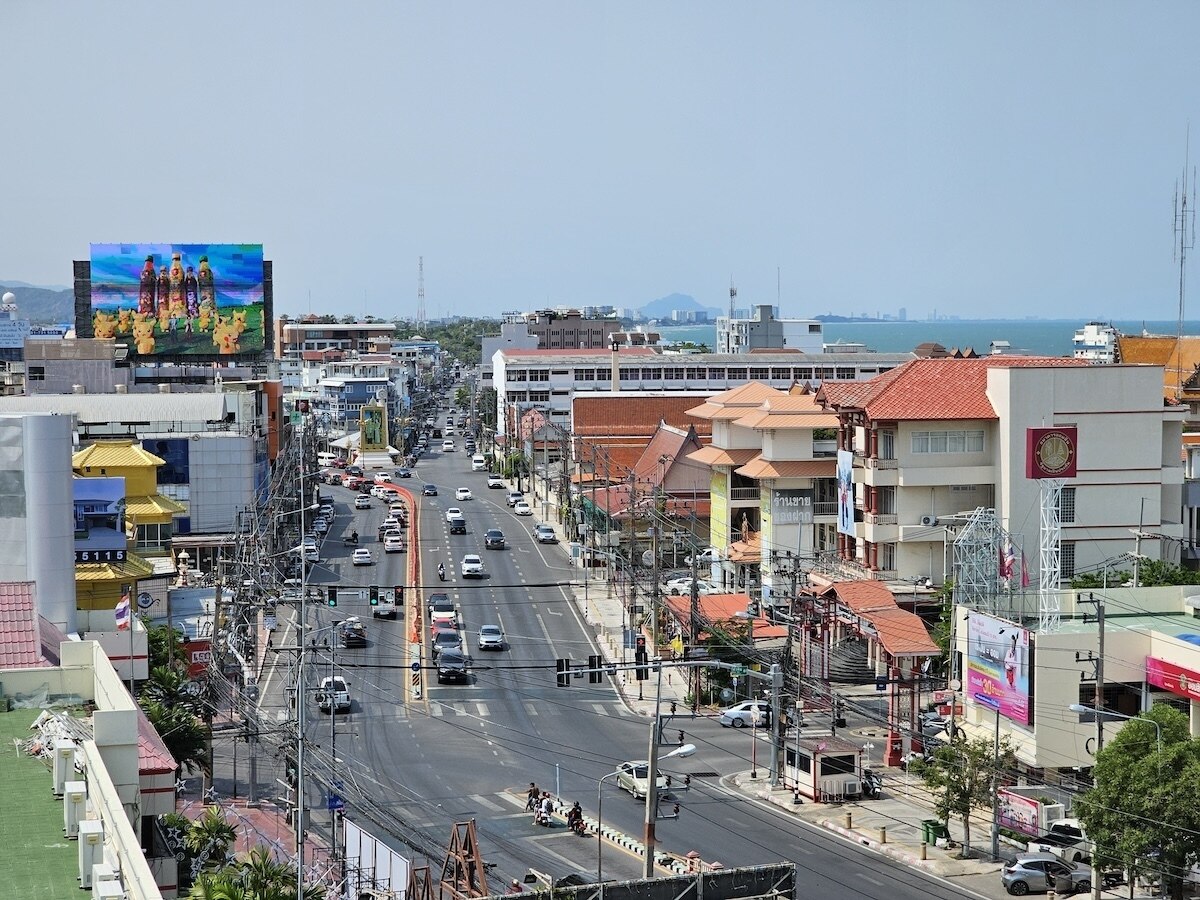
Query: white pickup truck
1066, 839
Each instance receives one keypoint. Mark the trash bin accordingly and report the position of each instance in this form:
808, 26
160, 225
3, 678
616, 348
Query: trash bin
926, 830
938, 830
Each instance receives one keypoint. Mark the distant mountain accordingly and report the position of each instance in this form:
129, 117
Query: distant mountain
41, 305
662, 307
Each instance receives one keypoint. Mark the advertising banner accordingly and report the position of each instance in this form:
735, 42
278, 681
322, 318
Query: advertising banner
1170, 677
1018, 813
99, 519
998, 666
792, 507
172, 299
372, 425
845, 489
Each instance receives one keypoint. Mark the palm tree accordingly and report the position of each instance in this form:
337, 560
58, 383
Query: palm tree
169, 687
256, 877
212, 834
181, 731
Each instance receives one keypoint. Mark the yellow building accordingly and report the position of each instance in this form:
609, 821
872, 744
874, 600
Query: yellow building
148, 517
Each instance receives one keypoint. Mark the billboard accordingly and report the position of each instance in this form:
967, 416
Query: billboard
1051, 452
99, 519
1170, 677
179, 299
998, 666
1018, 812
845, 489
792, 507
372, 428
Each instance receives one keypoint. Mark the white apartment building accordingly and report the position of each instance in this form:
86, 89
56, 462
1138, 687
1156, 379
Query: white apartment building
936, 439
548, 379
765, 331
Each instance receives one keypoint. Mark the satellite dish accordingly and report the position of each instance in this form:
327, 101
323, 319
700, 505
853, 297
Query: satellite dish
8, 298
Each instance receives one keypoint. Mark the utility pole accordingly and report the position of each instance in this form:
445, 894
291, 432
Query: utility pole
300, 785
648, 838
776, 725
655, 589
694, 629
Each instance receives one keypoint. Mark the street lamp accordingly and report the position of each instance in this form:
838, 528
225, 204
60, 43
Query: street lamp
652, 794
1106, 713
600, 825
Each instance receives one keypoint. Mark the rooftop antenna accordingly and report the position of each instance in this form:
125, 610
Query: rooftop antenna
420, 292
1185, 240
732, 297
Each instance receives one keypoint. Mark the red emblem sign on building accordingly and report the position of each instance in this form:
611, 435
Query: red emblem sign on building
1050, 452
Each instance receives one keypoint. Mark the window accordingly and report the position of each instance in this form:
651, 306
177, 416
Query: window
759, 373
716, 374
837, 765
1066, 560
585, 374
1066, 510
887, 445
695, 373
779, 373
153, 535
885, 503
37, 373
845, 373
539, 396
631, 374
737, 374
947, 442
804, 374
673, 373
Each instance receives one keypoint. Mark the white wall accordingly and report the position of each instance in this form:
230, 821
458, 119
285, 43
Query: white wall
221, 478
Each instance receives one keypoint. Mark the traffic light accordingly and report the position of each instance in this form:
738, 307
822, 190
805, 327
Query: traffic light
563, 669
595, 676
399, 595
641, 658
373, 594
331, 596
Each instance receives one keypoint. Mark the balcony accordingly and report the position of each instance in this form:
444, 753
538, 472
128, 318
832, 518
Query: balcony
825, 508
745, 493
880, 518
875, 462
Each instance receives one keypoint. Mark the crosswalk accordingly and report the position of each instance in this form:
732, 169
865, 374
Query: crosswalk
478, 709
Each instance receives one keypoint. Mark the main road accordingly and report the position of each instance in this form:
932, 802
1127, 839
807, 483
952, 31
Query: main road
462, 752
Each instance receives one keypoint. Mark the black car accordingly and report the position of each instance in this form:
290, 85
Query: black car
354, 633
494, 539
430, 490
458, 525
452, 667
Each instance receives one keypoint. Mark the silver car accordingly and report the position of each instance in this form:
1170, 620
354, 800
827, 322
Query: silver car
491, 637
1040, 871
634, 776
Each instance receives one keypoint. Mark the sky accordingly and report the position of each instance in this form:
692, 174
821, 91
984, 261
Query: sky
974, 159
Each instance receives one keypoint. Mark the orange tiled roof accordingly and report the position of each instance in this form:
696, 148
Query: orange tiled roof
632, 413
746, 551
1180, 359
517, 353
716, 456
676, 443
935, 389
722, 608
901, 633
789, 468
735, 402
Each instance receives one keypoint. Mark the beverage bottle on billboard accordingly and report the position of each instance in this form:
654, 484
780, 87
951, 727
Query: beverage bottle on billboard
208, 293
146, 288
177, 276
164, 290
191, 291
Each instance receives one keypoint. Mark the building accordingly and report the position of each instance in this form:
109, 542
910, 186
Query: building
293, 338
1097, 343
550, 379
514, 335
935, 439
610, 430
765, 331
568, 329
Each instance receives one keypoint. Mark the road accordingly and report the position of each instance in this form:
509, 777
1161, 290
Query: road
470, 751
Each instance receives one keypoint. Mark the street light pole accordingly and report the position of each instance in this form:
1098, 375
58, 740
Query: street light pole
600, 825
652, 779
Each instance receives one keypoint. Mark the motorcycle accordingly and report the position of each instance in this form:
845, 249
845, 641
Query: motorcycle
441, 572
351, 538
872, 784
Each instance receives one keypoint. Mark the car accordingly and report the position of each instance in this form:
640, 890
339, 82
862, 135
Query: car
933, 723
398, 509
707, 555
439, 602
379, 490
544, 534
353, 632
521, 508
362, 501
743, 715
429, 490
389, 523
382, 478
1039, 871
491, 637
447, 446
325, 511
495, 482
681, 586
310, 540
464, 494
354, 470
334, 694
452, 512
393, 543
514, 497
351, 481
452, 667
320, 526
471, 566
311, 554
458, 525
445, 639
365, 487
361, 557
402, 472
493, 539
634, 776
449, 428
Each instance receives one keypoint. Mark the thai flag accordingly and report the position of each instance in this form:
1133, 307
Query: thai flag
1007, 558
122, 613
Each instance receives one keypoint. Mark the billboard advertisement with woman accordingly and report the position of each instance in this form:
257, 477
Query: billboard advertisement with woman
998, 666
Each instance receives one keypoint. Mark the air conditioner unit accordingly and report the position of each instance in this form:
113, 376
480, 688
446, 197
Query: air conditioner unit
928, 520
91, 849
74, 797
64, 764
108, 890
104, 874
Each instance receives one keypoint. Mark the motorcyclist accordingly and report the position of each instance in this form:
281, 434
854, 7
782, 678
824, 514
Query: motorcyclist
441, 572
575, 819
354, 537
531, 797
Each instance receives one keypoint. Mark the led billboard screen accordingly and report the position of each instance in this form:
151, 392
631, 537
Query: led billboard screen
998, 666
179, 299
99, 519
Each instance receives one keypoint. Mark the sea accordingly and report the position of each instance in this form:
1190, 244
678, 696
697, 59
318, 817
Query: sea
1039, 337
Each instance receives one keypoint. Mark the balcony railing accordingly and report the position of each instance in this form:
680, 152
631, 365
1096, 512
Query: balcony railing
745, 493
825, 508
880, 518
876, 462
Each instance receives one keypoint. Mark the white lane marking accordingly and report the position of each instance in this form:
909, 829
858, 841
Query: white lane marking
481, 709
518, 802
874, 881
546, 634
485, 802
435, 709
530, 709
600, 709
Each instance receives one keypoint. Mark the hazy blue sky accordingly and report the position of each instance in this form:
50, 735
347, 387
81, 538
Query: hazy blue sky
973, 158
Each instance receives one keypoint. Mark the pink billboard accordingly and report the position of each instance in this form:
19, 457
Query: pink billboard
998, 666
1170, 677
1018, 812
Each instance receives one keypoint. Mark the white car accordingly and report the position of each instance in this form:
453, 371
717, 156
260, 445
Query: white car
362, 501
747, 713
680, 586
361, 557
391, 522
705, 556
464, 494
472, 566
495, 481
393, 543
334, 694
453, 513
634, 776
521, 508
491, 637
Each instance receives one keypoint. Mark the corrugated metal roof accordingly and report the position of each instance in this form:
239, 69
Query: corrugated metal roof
118, 454
133, 567
95, 409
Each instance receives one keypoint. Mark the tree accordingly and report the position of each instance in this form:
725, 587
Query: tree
211, 835
962, 775
1141, 812
1151, 573
165, 646
170, 688
181, 731
255, 877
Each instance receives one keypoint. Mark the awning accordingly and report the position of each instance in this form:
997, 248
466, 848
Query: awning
716, 456
784, 468
133, 568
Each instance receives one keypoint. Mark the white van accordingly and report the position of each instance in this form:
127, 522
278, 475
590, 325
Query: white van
478, 462
325, 460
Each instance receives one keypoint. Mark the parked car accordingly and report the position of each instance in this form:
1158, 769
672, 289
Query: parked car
514, 497
493, 539
464, 494
471, 566
1039, 872
634, 776
491, 637
445, 639
707, 555
361, 557
741, 715
521, 508
544, 534
319, 525
333, 694
680, 587
362, 501
495, 482
452, 667
353, 632
430, 490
